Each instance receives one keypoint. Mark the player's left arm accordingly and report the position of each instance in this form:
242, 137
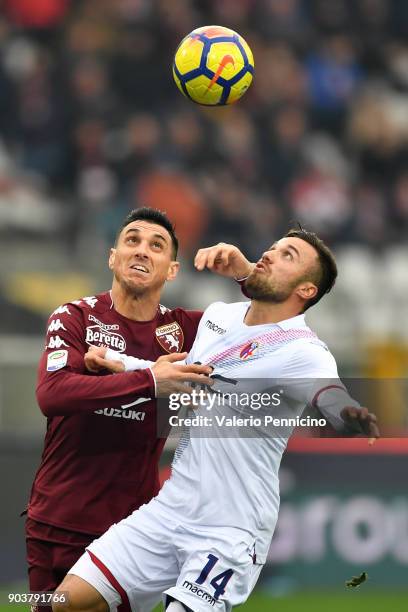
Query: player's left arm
346, 415
316, 377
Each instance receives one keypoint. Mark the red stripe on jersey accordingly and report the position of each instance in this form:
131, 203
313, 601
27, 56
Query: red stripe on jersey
316, 397
125, 605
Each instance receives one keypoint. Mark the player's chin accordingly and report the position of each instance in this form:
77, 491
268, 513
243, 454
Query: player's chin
139, 279
136, 285
254, 286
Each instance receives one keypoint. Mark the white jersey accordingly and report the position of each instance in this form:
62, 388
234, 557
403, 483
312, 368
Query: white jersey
214, 518
233, 481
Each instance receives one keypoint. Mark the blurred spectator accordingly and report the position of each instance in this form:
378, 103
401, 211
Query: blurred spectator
186, 140
92, 94
322, 202
175, 194
137, 146
38, 14
333, 76
331, 16
137, 67
282, 78
236, 14
284, 19
283, 142
400, 197
397, 64
237, 143
41, 120
370, 222
379, 132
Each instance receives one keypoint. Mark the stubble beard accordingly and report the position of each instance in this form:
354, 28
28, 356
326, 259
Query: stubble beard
130, 288
258, 288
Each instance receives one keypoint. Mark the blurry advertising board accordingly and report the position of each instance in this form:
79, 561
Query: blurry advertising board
344, 510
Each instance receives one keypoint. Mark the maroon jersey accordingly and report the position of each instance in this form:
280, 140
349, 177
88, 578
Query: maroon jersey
100, 459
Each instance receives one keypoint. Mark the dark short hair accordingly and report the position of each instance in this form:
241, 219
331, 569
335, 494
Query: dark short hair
151, 215
327, 272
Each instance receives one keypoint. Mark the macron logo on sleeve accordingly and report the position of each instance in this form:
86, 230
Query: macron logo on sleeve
214, 327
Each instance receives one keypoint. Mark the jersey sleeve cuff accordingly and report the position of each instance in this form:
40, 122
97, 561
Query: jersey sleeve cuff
319, 394
241, 283
152, 379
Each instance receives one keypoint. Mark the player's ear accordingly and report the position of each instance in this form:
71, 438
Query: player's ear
112, 255
174, 267
307, 291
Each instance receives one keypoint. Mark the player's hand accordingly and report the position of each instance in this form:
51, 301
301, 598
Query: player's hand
361, 421
172, 377
95, 360
224, 259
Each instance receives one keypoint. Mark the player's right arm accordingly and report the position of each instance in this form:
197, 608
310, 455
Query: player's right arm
170, 371
64, 385
99, 358
224, 259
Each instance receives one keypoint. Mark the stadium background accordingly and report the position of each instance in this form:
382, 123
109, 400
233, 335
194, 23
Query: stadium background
91, 125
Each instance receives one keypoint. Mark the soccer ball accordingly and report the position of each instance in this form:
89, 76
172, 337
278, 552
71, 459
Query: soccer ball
213, 66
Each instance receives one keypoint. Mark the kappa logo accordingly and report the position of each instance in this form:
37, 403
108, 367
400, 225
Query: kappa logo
170, 337
249, 350
61, 310
55, 342
104, 326
95, 335
91, 300
55, 326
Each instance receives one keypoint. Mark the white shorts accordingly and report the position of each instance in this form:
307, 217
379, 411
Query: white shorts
149, 554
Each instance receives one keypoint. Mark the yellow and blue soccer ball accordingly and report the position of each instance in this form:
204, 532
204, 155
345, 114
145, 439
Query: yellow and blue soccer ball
213, 65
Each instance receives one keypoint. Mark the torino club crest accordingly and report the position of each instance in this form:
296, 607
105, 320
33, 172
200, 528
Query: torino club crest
170, 337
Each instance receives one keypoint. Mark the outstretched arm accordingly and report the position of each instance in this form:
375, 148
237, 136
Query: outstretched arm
170, 372
101, 358
345, 414
64, 386
314, 380
225, 260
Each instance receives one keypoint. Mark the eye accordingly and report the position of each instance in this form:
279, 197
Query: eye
157, 244
131, 239
288, 255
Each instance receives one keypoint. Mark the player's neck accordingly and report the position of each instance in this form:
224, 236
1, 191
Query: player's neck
261, 313
135, 307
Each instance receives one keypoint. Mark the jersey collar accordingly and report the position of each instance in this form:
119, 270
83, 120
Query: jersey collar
292, 323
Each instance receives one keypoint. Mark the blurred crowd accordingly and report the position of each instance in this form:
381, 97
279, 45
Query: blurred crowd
92, 124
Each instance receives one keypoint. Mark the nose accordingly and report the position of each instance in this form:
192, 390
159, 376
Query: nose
266, 257
141, 250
